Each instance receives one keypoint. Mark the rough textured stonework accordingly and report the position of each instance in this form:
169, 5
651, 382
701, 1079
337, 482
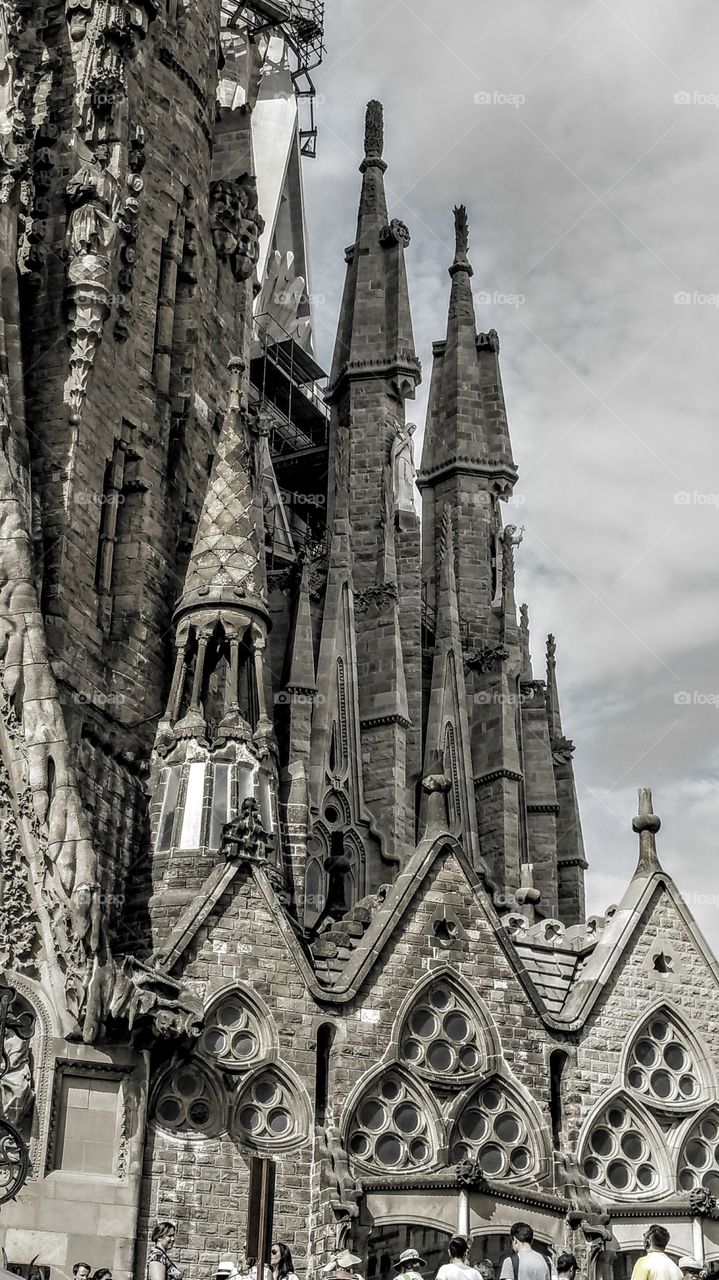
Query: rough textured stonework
292, 857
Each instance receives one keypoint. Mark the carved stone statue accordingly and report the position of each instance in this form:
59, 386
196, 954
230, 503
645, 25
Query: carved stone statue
78, 14
93, 197
245, 836
235, 223
17, 1094
513, 536
403, 471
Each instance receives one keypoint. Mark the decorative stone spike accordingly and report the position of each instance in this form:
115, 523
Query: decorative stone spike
646, 824
461, 241
374, 130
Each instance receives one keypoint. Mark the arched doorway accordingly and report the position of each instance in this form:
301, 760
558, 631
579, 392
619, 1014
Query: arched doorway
388, 1241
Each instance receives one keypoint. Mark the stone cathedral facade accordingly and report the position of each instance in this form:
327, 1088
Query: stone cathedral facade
292, 858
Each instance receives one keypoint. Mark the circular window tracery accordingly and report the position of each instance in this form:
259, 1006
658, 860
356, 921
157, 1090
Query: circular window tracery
390, 1127
699, 1159
186, 1102
661, 1064
232, 1034
440, 1034
617, 1156
265, 1111
491, 1129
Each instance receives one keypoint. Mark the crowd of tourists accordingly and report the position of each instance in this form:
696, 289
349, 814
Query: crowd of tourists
523, 1263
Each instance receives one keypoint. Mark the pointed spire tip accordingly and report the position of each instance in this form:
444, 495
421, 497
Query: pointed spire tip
646, 824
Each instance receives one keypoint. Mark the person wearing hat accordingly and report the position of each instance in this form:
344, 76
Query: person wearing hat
409, 1265
342, 1266
691, 1268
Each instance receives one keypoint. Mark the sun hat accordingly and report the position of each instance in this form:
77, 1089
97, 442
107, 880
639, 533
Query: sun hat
410, 1258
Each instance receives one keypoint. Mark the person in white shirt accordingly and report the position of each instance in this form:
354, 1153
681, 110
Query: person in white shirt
656, 1265
458, 1267
525, 1262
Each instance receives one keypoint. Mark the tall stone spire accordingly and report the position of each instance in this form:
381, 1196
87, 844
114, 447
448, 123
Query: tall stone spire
466, 422
215, 752
571, 860
374, 371
226, 565
447, 754
467, 464
375, 327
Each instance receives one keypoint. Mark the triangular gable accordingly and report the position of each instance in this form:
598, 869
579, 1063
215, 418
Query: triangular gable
616, 939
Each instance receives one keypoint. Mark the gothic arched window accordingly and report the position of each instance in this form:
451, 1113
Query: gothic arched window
620, 1153
271, 1111
443, 1036
391, 1126
234, 1035
492, 1127
189, 1102
699, 1159
662, 1065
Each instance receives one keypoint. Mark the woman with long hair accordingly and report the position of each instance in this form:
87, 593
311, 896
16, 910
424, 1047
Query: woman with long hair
281, 1263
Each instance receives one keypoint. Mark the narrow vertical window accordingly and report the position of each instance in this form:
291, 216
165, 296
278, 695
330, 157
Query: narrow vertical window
220, 804
325, 1038
169, 807
557, 1063
190, 836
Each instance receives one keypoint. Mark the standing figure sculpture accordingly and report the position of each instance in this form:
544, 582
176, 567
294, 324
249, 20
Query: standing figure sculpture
403, 472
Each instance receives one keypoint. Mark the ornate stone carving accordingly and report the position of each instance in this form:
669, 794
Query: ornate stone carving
235, 223
702, 1204
17, 1092
396, 232
562, 750
488, 341
128, 216
18, 935
585, 1214
469, 1174
13, 134
484, 659
245, 838
347, 1190
374, 129
403, 472
93, 199
104, 36
375, 599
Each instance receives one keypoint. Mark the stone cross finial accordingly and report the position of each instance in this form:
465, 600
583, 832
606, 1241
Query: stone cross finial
374, 129
646, 825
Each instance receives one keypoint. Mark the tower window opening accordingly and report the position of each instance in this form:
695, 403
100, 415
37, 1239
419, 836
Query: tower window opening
557, 1063
325, 1038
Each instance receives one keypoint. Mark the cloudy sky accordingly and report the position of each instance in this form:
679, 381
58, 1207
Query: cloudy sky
584, 137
